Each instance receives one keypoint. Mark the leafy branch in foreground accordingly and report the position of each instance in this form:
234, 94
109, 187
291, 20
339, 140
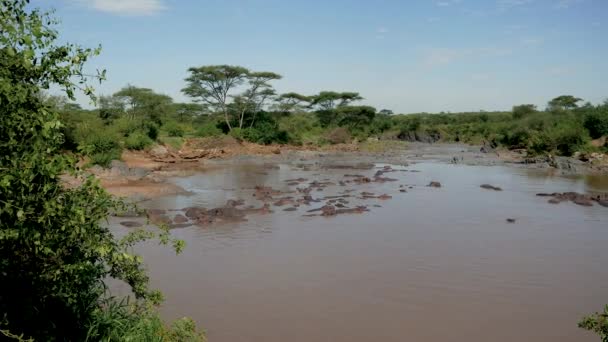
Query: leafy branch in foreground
55, 253
598, 323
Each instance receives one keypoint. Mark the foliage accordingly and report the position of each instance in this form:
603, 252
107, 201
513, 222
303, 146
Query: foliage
563, 102
523, 110
328, 100
173, 129
598, 323
290, 102
208, 130
212, 85
596, 121
54, 252
355, 116
265, 133
144, 104
122, 321
138, 141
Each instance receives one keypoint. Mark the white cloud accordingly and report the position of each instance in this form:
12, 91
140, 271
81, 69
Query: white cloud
563, 4
438, 57
508, 4
446, 3
381, 32
532, 41
125, 7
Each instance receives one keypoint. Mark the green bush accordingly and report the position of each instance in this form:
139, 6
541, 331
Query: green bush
120, 321
151, 130
237, 133
265, 133
596, 122
173, 129
567, 139
57, 252
104, 159
125, 126
597, 323
208, 130
138, 141
517, 138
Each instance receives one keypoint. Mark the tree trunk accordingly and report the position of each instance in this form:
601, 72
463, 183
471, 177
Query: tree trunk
227, 120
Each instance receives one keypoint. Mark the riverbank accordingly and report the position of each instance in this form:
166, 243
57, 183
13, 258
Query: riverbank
143, 174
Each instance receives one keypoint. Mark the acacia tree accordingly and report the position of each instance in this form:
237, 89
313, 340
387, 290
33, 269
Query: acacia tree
54, 253
289, 102
253, 98
188, 111
355, 116
327, 100
564, 102
144, 103
212, 85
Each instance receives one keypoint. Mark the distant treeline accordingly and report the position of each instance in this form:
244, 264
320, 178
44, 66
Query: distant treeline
242, 103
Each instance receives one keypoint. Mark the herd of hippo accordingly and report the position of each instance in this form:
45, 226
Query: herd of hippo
301, 195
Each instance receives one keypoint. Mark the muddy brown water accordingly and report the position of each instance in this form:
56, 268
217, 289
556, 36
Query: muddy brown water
431, 264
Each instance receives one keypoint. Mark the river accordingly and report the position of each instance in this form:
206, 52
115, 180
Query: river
429, 264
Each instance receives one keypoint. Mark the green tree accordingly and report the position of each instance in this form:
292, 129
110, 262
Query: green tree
523, 110
188, 111
110, 108
355, 116
328, 100
54, 253
289, 102
259, 90
212, 85
144, 104
596, 121
563, 102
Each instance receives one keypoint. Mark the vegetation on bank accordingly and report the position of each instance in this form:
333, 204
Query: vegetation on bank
242, 103
56, 253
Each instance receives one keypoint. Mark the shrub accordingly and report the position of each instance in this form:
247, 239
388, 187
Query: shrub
597, 323
517, 138
237, 133
208, 130
596, 123
104, 159
523, 110
173, 129
265, 133
125, 126
138, 141
56, 251
151, 130
567, 138
120, 321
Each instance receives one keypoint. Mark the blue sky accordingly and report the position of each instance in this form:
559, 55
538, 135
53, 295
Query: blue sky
408, 56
